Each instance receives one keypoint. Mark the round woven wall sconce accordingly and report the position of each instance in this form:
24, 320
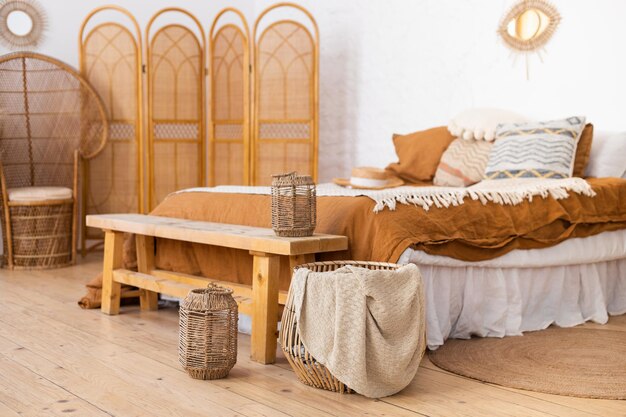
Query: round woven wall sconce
207, 343
22, 24
528, 27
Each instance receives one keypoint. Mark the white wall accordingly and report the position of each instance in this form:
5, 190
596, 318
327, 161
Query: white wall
66, 16
403, 65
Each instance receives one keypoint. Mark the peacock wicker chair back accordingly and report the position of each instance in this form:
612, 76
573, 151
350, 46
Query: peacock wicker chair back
49, 111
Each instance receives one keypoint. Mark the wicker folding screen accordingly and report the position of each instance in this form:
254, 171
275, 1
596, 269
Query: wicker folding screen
230, 101
285, 134
176, 74
52, 116
110, 59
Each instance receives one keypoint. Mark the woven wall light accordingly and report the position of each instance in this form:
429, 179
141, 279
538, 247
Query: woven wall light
528, 27
22, 24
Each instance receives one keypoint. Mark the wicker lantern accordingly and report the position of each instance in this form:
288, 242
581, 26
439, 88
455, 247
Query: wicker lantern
207, 346
293, 205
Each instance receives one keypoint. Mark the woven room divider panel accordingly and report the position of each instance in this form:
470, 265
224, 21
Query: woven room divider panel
110, 59
286, 63
230, 101
176, 74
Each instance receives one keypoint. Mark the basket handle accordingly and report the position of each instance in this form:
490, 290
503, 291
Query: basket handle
216, 289
292, 174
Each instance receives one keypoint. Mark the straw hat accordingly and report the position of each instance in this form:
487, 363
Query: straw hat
368, 178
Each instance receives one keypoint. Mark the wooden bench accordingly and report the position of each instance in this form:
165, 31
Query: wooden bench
260, 301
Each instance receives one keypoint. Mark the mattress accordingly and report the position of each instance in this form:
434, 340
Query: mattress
605, 246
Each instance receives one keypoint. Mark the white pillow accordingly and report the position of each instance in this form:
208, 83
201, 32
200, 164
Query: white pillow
608, 155
481, 123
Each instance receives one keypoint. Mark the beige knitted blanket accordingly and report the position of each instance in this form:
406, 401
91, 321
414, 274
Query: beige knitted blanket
366, 327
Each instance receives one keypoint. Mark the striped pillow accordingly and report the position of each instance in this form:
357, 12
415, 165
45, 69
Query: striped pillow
463, 163
535, 150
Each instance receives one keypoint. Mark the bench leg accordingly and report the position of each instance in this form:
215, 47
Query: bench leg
265, 273
296, 260
113, 242
148, 300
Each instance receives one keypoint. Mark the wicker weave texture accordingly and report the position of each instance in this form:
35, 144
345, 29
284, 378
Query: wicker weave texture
176, 120
208, 333
286, 114
307, 369
110, 62
230, 105
42, 235
294, 205
52, 115
50, 112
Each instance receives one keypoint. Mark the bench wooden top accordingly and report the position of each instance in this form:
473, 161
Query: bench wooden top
235, 236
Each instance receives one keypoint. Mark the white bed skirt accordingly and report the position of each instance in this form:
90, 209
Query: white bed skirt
568, 284
497, 302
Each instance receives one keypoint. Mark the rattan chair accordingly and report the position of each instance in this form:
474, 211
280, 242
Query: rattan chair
51, 117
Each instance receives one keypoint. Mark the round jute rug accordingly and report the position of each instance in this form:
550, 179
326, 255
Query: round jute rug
578, 362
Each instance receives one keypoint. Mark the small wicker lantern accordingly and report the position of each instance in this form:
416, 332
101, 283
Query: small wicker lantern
207, 346
293, 205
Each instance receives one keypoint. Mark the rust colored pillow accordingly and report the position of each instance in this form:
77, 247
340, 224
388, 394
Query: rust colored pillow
583, 150
419, 153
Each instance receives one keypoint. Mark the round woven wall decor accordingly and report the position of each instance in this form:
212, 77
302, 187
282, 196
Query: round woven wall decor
522, 36
28, 9
578, 362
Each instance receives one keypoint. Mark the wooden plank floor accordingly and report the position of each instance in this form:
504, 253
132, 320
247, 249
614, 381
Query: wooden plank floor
56, 359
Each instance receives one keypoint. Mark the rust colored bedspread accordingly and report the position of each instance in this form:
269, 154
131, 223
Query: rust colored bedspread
470, 232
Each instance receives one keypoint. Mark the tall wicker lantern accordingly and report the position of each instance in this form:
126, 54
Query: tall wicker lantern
207, 346
293, 205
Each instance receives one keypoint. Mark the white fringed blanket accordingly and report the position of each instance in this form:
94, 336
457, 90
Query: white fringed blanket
506, 192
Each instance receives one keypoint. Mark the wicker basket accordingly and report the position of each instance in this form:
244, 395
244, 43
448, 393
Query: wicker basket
308, 370
207, 346
41, 234
293, 205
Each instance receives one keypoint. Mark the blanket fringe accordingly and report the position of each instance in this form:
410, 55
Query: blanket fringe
510, 192
505, 192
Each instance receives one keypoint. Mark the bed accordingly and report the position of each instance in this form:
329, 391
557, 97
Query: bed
489, 269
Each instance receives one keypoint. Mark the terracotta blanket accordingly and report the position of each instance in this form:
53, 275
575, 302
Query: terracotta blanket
469, 232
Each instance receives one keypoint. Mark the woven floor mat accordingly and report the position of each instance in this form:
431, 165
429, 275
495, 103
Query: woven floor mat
585, 361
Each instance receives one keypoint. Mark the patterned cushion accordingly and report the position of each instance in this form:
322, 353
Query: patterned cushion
463, 163
537, 150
